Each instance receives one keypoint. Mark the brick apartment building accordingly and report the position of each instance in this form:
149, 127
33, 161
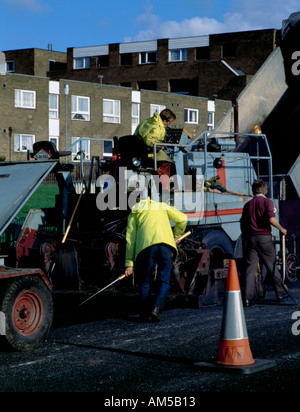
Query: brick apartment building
217, 65
35, 108
34, 62
113, 87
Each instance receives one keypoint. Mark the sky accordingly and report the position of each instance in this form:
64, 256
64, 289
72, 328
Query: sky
74, 23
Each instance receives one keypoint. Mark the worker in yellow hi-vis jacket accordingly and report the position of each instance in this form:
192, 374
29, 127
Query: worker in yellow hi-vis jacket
153, 130
150, 241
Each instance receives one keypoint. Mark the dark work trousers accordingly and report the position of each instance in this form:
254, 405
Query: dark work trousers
260, 248
160, 255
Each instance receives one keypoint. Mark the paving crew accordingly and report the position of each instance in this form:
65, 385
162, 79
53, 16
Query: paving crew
257, 218
150, 243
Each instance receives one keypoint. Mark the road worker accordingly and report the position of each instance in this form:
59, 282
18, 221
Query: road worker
257, 218
153, 130
150, 244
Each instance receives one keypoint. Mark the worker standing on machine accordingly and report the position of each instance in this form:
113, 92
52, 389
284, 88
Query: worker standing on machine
150, 243
153, 130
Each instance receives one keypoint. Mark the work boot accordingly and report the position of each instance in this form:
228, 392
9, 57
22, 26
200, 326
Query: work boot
154, 316
283, 297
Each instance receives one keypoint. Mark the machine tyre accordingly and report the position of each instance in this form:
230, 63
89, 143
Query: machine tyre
292, 262
220, 247
28, 308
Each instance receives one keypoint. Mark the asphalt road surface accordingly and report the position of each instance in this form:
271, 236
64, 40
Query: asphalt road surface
104, 348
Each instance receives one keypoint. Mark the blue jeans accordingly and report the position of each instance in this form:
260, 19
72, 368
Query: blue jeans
160, 255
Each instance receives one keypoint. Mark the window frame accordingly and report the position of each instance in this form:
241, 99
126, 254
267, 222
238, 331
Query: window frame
107, 117
187, 115
210, 120
19, 101
182, 55
55, 111
76, 112
135, 118
86, 63
156, 108
20, 143
54, 140
126, 59
10, 66
144, 57
76, 146
107, 154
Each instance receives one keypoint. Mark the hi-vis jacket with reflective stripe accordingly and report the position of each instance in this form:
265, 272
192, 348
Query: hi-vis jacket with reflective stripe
149, 224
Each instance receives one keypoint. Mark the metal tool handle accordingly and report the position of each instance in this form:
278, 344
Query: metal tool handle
283, 258
73, 214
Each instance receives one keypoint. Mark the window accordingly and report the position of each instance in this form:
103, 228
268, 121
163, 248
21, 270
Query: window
126, 59
135, 114
156, 108
10, 66
111, 111
147, 57
147, 85
191, 116
80, 108
202, 53
53, 106
107, 148
228, 50
210, 120
51, 65
25, 99
24, 142
82, 63
81, 148
54, 140
102, 61
178, 55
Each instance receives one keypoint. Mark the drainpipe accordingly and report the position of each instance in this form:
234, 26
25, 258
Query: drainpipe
235, 106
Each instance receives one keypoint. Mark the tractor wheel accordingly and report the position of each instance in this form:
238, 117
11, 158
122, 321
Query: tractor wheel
27, 305
220, 247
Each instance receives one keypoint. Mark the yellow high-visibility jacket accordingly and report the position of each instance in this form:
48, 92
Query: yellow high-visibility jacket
152, 131
149, 224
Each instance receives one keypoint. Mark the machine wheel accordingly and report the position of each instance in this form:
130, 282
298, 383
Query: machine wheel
65, 275
220, 247
28, 308
292, 262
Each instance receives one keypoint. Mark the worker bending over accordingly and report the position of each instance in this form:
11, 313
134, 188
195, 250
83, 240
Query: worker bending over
150, 242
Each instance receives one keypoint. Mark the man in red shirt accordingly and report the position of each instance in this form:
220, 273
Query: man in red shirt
256, 221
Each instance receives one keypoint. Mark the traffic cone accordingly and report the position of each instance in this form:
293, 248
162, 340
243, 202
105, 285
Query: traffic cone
234, 348
234, 353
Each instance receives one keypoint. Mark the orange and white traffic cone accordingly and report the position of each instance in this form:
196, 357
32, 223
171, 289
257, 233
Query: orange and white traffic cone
234, 353
234, 348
